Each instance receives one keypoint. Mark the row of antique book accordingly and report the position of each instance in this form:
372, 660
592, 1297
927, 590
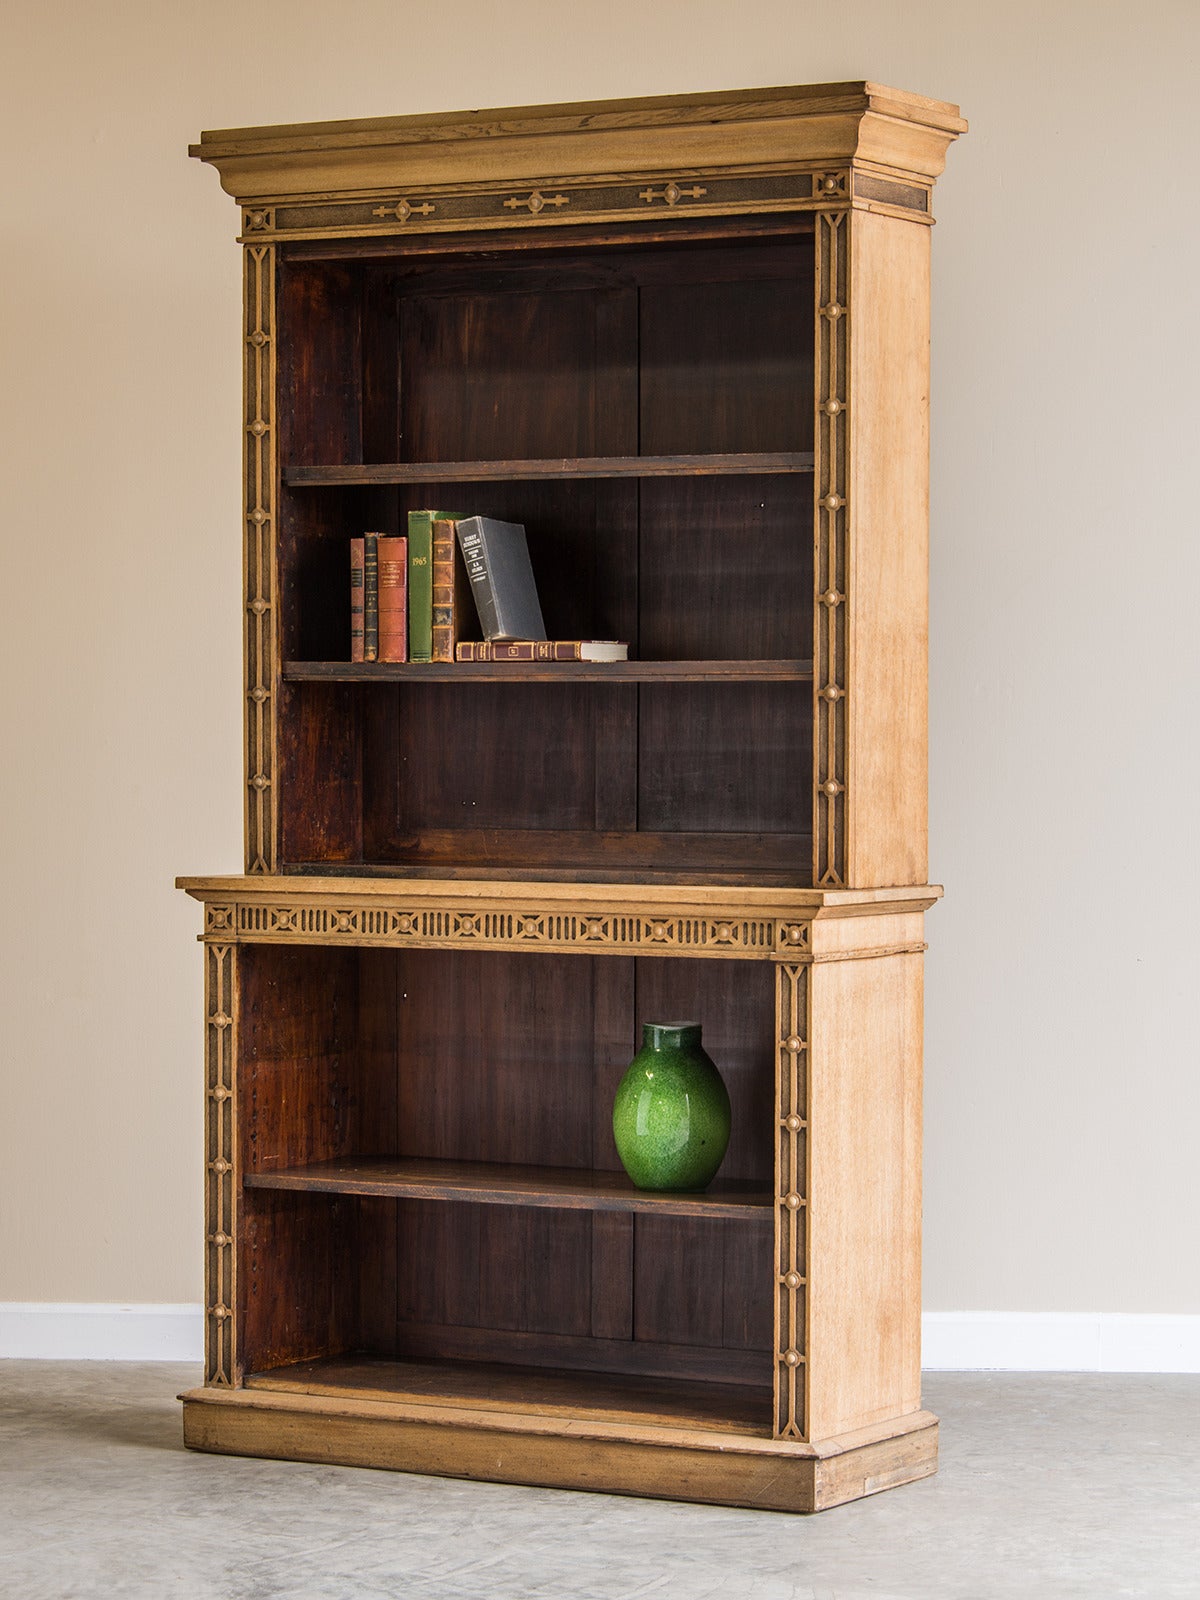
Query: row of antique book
454, 589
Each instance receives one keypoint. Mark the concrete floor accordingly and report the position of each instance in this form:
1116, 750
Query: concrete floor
1050, 1487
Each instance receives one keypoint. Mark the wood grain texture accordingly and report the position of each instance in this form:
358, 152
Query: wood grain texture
694, 362
298, 1087
518, 672
508, 1184
483, 895
713, 464
763, 129
864, 1200
614, 1457
662, 112
484, 1386
415, 251
679, 799
725, 570
645, 1358
888, 516
297, 1266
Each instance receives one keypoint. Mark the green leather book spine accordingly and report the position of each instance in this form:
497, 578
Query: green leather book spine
420, 584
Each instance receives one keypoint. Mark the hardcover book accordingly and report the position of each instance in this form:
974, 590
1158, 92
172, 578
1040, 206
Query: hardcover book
356, 600
496, 557
544, 650
454, 613
393, 593
420, 583
370, 596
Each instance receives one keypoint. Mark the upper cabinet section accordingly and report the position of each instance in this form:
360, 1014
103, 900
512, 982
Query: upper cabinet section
685, 343
782, 149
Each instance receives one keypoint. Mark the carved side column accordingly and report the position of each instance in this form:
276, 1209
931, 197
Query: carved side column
831, 619
791, 1202
220, 1192
259, 565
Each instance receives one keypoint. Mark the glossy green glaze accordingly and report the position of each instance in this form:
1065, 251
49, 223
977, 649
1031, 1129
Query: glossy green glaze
671, 1112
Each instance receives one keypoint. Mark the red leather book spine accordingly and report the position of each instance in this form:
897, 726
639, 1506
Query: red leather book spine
393, 599
520, 650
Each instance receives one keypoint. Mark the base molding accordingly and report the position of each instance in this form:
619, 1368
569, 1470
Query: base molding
76, 1330
952, 1341
1059, 1341
509, 1447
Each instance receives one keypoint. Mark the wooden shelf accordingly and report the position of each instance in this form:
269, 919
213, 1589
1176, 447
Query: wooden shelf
501, 1184
548, 671
756, 463
594, 1396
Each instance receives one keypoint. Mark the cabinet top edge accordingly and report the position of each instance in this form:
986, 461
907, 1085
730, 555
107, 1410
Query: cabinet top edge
775, 129
481, 892
647, 111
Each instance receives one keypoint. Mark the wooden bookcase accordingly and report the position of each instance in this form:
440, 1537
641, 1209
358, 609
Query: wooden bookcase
685, 342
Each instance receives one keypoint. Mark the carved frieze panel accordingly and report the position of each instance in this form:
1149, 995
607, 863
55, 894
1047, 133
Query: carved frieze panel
615, 199
585, 928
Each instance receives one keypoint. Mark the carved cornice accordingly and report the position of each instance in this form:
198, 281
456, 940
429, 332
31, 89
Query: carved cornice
781, 129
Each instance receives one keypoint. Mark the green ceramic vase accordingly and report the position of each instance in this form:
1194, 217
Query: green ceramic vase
671, 1112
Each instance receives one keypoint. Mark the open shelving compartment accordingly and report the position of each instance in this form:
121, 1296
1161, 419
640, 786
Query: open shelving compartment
644, 409
431, 1201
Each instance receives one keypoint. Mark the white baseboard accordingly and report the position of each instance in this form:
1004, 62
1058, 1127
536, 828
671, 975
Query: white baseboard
953, 1341
1059, 1341
73, 1331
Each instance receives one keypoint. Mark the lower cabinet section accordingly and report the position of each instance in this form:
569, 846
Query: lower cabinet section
423, 1252
392, 1110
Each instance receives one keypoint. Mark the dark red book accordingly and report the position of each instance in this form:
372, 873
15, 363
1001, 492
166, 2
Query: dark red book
544, 650
393, 599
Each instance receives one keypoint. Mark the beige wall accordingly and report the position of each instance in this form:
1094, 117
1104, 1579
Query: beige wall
1063, 1091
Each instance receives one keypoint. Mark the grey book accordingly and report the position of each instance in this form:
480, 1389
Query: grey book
496, 557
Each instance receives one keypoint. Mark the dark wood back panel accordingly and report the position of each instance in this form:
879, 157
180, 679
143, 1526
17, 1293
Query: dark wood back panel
726, 756
320, 372
489, 376
300, 1087
699, 1281
725, 569
320, 772
516, 1058
481, 756
495, 1057
542, 353
726, 365
299, 1074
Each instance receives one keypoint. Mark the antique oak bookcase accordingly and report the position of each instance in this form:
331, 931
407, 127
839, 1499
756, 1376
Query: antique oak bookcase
685, 342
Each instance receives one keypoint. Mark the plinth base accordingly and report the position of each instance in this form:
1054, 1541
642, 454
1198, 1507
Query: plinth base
500, 1446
